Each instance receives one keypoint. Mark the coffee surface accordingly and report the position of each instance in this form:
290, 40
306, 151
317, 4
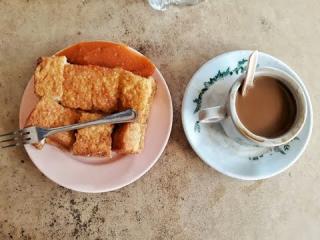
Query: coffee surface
268, 109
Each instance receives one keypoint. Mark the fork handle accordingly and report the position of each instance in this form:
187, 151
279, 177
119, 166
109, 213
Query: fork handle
120, 117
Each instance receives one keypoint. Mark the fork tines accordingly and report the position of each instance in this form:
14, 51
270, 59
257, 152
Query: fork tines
16, 138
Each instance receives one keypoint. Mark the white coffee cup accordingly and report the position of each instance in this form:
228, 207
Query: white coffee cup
234, 128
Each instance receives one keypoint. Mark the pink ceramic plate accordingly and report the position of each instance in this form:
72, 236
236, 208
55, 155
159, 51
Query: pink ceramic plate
101, 175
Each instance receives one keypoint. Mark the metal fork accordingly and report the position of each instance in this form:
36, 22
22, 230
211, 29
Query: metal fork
33, 135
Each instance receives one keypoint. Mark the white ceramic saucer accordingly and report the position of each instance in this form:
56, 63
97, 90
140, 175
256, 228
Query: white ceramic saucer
209, 140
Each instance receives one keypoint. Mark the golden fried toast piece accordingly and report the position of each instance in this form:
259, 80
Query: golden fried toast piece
95, 140
77, 87
48, 113
105, 92
90, 88
129, 138
134, 92
48, 77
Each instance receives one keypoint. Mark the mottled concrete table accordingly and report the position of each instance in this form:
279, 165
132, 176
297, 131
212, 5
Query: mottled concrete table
180, 197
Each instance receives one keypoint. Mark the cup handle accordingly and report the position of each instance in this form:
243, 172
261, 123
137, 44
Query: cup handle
213, 114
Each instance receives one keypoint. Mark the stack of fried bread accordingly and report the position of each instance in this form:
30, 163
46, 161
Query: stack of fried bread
75, 93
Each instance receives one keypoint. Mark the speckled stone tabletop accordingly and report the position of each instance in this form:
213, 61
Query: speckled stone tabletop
180, 197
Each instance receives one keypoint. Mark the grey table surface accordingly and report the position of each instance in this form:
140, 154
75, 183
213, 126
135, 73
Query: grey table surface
180, 197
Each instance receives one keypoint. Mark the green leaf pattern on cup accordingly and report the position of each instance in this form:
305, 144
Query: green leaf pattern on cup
283, 149
239, 69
